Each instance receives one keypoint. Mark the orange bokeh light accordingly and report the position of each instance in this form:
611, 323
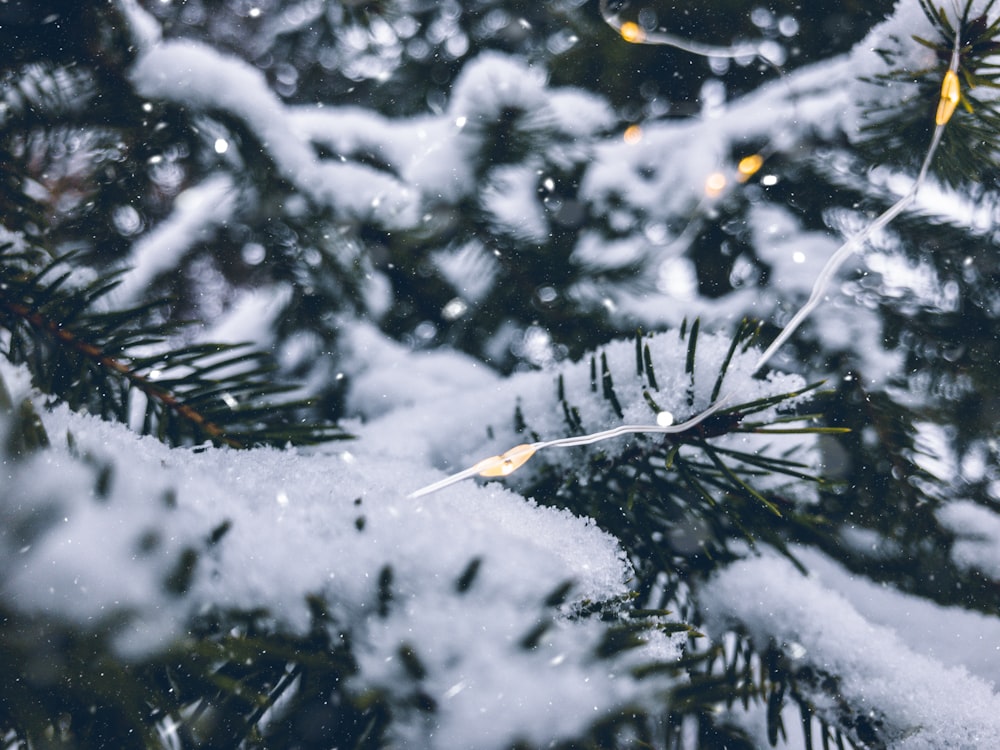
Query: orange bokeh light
748, 166
632, 32
715, 184
632, 134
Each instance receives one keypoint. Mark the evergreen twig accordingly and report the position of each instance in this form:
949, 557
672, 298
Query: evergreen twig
97, 360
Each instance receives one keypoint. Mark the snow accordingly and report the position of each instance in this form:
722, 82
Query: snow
794, 255
580, 113
917, 702
271, 527
198, 211
386, 376
658, 181
479, 418
144, 29
268, 528
197, 75
251, 317
510, 201
493, 84
595, 252
953, 636
977, 531
433, 155
889, 47
469, 268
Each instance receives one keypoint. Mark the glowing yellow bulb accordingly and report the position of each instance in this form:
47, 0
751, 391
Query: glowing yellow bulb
505, 463
632, 134
950, 93
715, 184
748, 166
632, 32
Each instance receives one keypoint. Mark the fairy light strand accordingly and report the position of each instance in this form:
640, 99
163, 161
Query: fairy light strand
946, 106
635, 34
511, 460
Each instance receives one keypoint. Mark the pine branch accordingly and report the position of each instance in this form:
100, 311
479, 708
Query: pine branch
677, 501
724, 421
100, 361
968, 153
733, 671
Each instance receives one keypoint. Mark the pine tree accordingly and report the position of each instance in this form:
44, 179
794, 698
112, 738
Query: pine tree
543, 241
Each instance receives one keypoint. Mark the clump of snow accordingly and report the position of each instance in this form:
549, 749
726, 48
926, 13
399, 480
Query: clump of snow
511, 202
656, 179
179, 532
580, 113
143, 28
954, 636
494, 83
661, 175
977, 546
889, 47
199, 76
433, 155
479, 422
15, 242
470, 268
914, 700
597, 253
795, 256
198, 211
386, 376
251, 317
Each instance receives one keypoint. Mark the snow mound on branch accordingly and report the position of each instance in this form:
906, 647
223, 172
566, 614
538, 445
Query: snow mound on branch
977, 529
494, 83
202, 78
477, 422
920, 703
179, 533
